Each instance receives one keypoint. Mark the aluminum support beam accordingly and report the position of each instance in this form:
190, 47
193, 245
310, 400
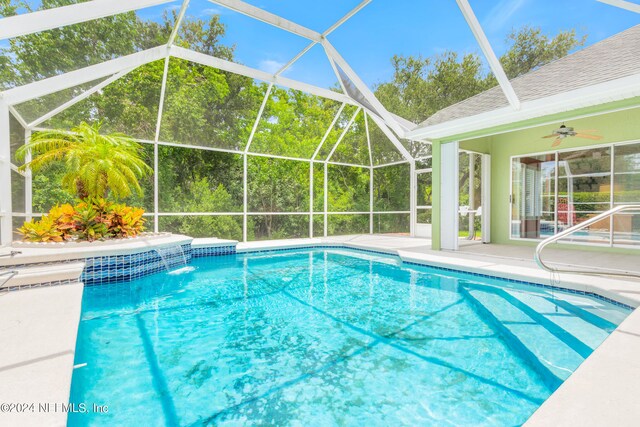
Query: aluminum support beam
232, 67
493, 60
269, 18
413, 198
392, 137
331, 29
44, 87
28, 180
156, 166
326, 198
366, 128
486, 198
327, 133
42, 20
362, 87
75, 100
342, 135
623, 4
176, 27
257, 122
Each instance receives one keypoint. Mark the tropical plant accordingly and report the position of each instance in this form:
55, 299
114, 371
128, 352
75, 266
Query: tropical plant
94, 164
45, 230
92, 219
89, 225
63, 218
124, 221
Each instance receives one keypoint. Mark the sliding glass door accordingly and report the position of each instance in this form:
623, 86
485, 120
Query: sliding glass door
533, 196
554, 191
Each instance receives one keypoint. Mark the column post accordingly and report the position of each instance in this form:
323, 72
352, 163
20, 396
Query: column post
6, 227
449, 196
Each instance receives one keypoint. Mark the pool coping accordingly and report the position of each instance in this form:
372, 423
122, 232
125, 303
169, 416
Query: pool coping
39, 329
618, 292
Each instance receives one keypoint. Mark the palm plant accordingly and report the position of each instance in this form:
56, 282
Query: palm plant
95, 164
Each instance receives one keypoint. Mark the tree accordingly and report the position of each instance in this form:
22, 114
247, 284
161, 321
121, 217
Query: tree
95, 164
422, 86
530, 49
211, 108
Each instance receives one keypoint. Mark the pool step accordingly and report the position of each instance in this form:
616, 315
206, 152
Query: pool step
40, 275
532, 332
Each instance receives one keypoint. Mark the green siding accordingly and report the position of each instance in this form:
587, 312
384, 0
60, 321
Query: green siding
619, 126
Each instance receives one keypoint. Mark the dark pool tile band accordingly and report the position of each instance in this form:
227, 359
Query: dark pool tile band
125, 268
487, 276
38, 285
334, 246
200, 252
523, 282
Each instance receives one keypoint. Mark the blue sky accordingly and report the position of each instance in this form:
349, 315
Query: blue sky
387, 27
407, 27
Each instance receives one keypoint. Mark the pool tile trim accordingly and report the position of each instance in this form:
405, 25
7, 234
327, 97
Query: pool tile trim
483, 275
39, 285
125, 268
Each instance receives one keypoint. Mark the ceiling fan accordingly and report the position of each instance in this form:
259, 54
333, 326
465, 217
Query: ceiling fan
564, 131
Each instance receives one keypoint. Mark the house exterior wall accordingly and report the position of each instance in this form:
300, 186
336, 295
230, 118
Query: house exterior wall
615, 127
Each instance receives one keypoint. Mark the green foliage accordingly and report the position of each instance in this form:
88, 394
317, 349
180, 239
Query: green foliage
95, 164
277, 185
293, 123
422, 86
124, 221
347, 224
348, 189
44, 230
530, 49
210, 108
36, 56
390, 189
88, 223
91, 219
47, 191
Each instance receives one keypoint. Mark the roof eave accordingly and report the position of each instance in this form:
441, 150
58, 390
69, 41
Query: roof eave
614, 90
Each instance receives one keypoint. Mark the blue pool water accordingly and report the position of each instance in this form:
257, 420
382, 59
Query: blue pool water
327, 337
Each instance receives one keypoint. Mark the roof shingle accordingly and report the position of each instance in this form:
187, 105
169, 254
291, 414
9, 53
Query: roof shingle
610, 59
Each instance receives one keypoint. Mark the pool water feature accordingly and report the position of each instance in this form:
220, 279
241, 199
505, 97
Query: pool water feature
327, 337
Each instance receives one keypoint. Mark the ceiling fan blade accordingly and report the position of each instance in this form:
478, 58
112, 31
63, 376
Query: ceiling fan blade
587, 130
587, 136
550, 136
556, 142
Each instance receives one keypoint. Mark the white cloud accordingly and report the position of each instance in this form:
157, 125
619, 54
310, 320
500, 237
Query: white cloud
213, 11
270, 65
500, 14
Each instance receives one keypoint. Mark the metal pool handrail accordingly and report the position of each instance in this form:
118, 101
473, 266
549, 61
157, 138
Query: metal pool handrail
571, 230
9, 274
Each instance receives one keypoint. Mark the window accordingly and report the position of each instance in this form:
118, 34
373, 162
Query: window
552, 192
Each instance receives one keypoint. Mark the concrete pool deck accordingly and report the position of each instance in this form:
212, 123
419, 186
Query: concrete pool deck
38, 328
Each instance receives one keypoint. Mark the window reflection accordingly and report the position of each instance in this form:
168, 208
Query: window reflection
554, 191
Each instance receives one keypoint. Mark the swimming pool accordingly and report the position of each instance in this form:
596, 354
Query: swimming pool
327, 337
